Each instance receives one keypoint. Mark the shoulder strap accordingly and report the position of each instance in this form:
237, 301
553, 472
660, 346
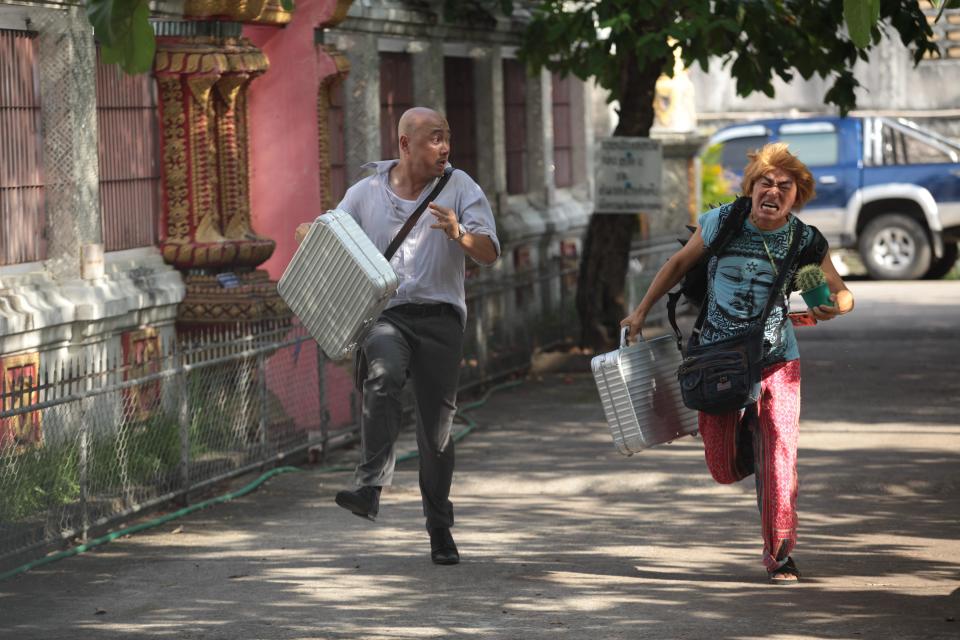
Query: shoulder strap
412, 220
780, 290
729, 228
786, 267
673, 297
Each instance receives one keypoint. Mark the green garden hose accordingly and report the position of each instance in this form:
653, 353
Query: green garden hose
96, 542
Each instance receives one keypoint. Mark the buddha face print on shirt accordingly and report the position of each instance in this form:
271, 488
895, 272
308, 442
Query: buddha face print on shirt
742, 286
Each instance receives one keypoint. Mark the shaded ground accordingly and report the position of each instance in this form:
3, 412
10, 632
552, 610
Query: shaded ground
563, 538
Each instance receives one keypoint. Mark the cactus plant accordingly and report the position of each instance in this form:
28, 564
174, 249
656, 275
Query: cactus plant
812, 284
809, 277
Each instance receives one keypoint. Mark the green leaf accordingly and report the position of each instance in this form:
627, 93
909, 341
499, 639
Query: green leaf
111, 18
142, 43
287, 5
860, 16
122, 27
842, 92
109, 55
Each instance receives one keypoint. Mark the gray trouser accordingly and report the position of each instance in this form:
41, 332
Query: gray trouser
424, 342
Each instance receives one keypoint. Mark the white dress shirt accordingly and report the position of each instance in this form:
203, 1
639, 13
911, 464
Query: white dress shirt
429, 265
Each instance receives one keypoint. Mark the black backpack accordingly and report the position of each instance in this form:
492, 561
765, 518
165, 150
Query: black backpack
693, 287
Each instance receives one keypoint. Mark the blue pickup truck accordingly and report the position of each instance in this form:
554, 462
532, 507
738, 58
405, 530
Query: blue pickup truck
885, 187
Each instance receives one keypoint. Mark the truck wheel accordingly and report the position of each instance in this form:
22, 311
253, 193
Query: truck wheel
895, 247
942, 266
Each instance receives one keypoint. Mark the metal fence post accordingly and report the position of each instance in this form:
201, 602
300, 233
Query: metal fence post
262, 389
481, 338
84, 477
184, 423
564, 296
322, 402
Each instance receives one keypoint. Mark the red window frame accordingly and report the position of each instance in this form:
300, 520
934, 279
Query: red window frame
461, 112
128, 150
396, 96
562, 132
337, 144
515, 124
22, 201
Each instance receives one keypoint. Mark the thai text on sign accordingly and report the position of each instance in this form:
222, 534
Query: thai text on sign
629, 175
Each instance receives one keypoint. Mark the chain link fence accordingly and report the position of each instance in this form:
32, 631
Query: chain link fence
91, 442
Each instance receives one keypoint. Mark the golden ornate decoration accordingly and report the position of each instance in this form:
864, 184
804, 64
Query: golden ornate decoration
274, 13
338, 14
269, 12
203, 83
21, 375
255, 299
142, 356
174, 156
237, 10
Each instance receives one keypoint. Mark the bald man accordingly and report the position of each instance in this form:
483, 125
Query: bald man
420, 334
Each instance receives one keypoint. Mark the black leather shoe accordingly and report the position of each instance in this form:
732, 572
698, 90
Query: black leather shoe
443, 550
363, 502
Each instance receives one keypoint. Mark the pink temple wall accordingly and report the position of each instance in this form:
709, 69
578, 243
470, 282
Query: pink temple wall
285, 179
284, 144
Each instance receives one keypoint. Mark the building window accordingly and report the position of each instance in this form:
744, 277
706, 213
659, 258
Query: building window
21, 161
515, 124
562, 134
396, 96
129, 158
337, 147
458, 85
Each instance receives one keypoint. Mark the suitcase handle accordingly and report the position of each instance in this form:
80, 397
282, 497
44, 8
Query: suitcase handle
623, 337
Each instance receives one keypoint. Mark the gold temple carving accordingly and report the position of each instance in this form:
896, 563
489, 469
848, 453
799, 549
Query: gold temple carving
203, 84
252, 11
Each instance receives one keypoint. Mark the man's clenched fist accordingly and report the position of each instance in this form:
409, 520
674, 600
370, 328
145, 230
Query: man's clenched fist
301, 232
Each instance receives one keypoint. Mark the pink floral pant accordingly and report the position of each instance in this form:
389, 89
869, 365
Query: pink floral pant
763, 440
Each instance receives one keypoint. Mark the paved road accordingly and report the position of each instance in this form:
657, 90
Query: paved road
562, 538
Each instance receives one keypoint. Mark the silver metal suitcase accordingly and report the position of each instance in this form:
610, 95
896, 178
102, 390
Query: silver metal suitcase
640, 394
337, 283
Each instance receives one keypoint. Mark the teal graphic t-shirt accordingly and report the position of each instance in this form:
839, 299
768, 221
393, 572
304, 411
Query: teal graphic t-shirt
740, 279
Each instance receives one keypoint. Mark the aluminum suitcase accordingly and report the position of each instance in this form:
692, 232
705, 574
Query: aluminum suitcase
337, 283
641, 395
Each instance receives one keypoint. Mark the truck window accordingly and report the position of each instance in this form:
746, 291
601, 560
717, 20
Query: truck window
733, 154
900, 147
817, 149
891, 142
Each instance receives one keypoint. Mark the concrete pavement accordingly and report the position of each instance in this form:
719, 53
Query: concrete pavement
562, 537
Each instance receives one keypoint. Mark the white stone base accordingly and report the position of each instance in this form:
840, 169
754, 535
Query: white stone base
38, 313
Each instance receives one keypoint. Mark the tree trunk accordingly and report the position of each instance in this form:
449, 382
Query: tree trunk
601, 302
601, 299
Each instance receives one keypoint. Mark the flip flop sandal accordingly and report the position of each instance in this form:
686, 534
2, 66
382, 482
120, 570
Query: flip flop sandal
778, 576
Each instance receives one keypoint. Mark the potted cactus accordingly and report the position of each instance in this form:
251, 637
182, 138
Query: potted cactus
812, 285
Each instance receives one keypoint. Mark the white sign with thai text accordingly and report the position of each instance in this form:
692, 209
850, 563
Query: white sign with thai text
629, 175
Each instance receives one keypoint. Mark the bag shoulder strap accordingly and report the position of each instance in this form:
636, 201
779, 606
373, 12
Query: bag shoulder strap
779, 291
776, 292
730, 226
412, 220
